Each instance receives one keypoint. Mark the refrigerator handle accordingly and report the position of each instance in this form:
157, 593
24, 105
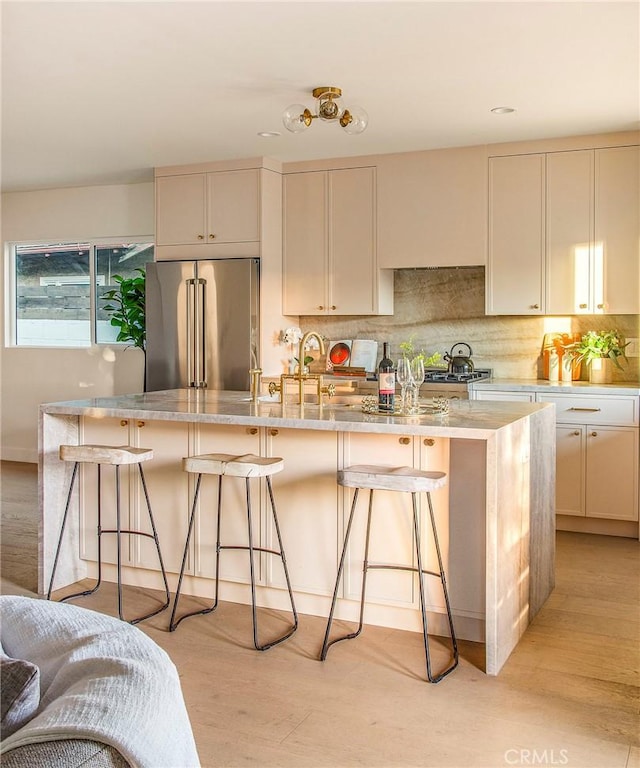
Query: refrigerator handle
200, 334
191, 295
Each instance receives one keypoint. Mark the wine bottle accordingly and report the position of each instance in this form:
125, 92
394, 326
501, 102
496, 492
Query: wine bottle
386, 382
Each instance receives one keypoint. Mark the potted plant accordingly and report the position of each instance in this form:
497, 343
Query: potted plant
599, 349
126, 303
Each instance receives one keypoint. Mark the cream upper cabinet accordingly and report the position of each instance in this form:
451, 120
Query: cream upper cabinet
329, 259
180, 209
564, 232
217, 210
305, 263
617, 227
432, 208
515, 267
572, 286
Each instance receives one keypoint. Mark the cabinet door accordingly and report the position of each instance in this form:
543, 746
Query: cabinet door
180, 209
569, 219
104, 432
234, 565
617, 227
305, 244
515, 274
612, 472
167, 484
306, 495
570, 469
352, 271
510, 397
392, 539
233, 206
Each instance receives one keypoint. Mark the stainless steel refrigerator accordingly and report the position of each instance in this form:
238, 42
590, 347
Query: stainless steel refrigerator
202, 323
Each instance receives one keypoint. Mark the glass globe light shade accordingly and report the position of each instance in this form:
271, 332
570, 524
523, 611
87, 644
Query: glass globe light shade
328, 109
358, 121
294, 118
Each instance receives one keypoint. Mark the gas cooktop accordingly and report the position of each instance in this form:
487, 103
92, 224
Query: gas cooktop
436, 376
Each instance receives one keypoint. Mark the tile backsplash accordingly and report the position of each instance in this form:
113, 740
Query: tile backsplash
446, 305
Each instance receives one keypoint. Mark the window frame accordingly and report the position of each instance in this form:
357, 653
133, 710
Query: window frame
10, 292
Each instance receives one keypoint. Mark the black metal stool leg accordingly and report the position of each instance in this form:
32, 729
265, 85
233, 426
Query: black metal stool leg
173, 623
119, 543
63, 526
454, 642
423, 609
154, 536
326, 644
85, 592
282, 556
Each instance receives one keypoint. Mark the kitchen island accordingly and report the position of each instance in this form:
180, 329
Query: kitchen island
497, 511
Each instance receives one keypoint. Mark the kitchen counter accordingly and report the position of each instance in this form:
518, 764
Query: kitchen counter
466, 419
500, 460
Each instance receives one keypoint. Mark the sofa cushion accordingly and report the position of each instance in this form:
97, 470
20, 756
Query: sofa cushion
20, 686
67, 753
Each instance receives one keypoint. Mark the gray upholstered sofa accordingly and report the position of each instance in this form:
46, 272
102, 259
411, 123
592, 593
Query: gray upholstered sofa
83, 689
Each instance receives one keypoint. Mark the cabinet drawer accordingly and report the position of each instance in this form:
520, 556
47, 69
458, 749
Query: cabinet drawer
593, 409
504, 396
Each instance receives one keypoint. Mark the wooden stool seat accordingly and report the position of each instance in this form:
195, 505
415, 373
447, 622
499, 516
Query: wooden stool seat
376, 477
116, 456
105, 454
247, 465
381, 478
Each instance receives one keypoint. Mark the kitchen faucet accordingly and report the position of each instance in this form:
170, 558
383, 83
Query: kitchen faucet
300, 377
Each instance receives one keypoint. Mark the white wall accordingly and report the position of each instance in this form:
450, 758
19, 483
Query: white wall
39, 375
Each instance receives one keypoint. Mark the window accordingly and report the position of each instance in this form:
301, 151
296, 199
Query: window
57, 290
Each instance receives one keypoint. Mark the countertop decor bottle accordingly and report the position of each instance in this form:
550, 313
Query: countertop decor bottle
386, 382
554, 365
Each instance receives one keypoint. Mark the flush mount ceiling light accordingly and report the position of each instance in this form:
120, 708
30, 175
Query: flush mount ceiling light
298, 118
503, 110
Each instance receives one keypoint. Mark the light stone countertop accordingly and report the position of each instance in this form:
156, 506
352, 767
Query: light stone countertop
471, 419
542, 385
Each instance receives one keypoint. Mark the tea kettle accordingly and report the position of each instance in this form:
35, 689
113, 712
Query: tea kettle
459, 363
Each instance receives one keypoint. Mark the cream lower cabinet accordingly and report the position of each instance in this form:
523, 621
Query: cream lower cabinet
306, 496
392, 538
234, 565
166, 482
597, 455
505, 397
597, 471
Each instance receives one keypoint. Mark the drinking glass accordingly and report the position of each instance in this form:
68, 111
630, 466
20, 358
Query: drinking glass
417, 376
403, 377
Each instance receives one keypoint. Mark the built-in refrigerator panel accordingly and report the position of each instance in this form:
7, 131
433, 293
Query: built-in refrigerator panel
202, 323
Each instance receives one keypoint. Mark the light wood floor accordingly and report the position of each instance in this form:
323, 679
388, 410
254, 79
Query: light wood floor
567, 696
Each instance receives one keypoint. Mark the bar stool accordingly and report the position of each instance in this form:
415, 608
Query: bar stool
116, 456
411, 481
246, 466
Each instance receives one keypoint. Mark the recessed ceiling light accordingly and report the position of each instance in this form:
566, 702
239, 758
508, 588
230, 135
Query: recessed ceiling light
268, 134
503, 110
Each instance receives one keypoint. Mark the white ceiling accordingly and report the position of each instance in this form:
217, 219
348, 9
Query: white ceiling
101, 92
